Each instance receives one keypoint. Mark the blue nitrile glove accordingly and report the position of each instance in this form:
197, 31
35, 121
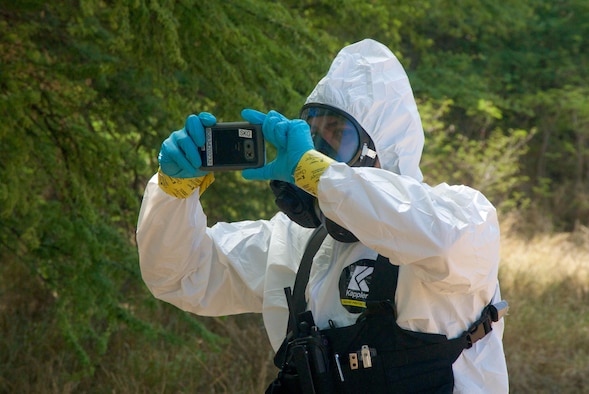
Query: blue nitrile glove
292, 139
179, 157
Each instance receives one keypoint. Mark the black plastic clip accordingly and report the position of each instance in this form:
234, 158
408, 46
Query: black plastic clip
483, 326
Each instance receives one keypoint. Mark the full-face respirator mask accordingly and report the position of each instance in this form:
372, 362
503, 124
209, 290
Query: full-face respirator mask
339, 136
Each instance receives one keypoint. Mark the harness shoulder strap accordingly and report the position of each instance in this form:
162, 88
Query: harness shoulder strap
383, 284
297, 302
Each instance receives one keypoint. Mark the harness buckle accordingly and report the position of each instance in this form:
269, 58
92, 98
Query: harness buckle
483, 326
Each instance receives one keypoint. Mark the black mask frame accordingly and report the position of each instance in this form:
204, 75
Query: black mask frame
365, 155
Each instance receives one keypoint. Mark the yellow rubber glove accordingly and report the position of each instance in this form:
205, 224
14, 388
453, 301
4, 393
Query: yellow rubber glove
309, 169
184, 187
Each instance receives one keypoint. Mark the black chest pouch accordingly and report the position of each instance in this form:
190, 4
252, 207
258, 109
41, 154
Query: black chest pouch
374, 355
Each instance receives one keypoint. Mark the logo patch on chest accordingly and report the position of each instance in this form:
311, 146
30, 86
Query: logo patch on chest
354, 285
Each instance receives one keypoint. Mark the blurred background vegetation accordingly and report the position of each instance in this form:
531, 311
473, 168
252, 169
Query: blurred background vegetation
89, 89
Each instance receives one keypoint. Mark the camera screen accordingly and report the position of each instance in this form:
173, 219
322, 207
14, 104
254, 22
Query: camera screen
233, 146
229, 147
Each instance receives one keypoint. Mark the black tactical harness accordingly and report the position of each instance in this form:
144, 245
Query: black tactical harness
373, 355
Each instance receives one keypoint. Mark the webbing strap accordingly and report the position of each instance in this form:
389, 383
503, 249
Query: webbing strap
383, 283
299, 304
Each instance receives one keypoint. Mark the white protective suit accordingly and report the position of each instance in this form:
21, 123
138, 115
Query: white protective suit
445, 238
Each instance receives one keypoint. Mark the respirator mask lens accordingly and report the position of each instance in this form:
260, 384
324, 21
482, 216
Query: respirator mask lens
334, 134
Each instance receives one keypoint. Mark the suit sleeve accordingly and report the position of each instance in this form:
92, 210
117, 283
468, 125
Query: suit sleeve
448, 234
208, 271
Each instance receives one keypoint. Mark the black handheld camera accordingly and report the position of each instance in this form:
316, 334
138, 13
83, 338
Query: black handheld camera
233, 146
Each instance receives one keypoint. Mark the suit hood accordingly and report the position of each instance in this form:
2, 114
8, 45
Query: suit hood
367, 81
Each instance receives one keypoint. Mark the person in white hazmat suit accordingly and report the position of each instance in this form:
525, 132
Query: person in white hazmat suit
356, 154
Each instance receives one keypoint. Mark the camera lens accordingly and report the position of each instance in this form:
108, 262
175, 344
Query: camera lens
249, 150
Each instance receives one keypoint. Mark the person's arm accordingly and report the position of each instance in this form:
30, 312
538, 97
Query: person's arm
450, 233
208, 271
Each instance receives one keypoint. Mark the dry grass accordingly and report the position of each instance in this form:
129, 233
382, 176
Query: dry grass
545, 279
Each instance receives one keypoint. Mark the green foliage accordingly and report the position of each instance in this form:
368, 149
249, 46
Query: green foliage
489, 165
525, 60
87, 93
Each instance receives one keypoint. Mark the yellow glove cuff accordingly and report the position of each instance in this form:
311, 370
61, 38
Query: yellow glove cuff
309, 169
183, 187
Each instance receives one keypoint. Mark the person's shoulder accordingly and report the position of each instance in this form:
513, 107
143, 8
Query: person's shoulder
464, 202
290, 230
460, 193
